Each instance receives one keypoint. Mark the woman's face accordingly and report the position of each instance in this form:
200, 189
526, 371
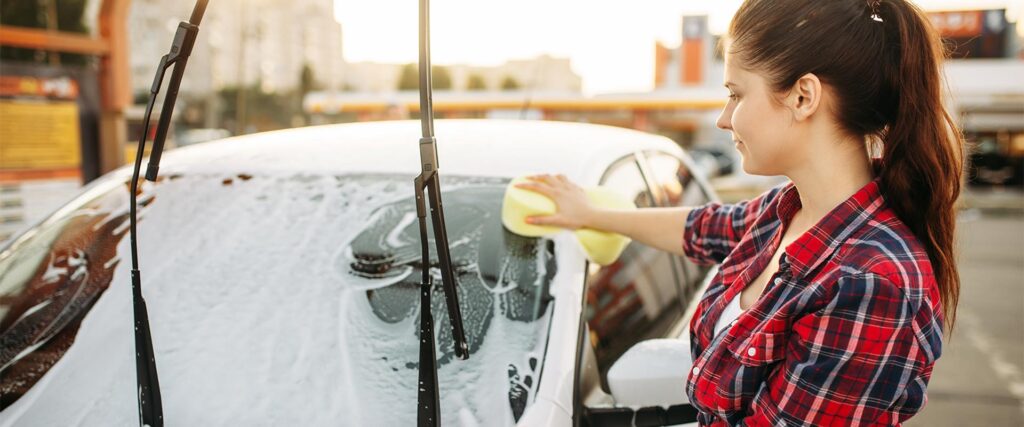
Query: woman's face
761, 127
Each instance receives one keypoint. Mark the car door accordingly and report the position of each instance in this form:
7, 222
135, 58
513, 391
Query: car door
642, 296
638, 296
635, 298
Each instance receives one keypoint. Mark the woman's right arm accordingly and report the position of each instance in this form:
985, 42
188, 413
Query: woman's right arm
706, 234
660, 228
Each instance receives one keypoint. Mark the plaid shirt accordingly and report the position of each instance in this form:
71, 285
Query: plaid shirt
845, 333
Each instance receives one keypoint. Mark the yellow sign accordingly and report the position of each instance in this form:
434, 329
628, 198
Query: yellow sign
39, 135
130, 151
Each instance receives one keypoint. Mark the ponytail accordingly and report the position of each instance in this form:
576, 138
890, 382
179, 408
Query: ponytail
922, 149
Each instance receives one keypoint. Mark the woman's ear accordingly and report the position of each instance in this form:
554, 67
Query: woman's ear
805, 96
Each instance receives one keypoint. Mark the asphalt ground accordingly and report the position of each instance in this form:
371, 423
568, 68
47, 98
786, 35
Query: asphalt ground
979, 379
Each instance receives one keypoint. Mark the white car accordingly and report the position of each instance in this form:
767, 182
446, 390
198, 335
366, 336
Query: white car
282, 269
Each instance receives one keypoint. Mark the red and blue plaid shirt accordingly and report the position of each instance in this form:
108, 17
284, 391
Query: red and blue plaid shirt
846, 331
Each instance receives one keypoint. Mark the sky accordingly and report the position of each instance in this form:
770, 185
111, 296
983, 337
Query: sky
610, 43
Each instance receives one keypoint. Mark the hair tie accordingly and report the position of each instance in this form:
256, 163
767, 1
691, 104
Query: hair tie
874, 5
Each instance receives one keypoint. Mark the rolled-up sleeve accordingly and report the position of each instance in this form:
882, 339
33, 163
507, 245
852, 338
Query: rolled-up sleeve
856, 361
713, 230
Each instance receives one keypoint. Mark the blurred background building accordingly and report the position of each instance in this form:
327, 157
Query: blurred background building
248, 51
243, 42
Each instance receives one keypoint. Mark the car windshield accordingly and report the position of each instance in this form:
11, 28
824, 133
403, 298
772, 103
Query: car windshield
279, 299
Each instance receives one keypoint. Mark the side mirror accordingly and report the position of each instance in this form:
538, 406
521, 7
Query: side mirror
652, 373
648, 384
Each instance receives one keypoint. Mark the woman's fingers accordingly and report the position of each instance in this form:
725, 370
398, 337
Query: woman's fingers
545, 178
569, 199
552, 220
539, 220
552, 183
537, 187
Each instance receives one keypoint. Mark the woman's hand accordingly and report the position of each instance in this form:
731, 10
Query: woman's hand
573, 208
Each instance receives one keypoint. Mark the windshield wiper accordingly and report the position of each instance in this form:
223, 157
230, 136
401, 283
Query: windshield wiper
148, 386
429, 403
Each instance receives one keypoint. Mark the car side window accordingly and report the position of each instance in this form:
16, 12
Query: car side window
636, 297
674, 180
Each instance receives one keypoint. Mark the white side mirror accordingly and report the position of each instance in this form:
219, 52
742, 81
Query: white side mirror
652, 373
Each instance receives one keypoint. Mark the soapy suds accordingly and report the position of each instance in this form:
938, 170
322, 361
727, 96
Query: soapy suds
254, 323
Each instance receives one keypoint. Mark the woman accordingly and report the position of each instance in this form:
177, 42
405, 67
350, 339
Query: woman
835, 288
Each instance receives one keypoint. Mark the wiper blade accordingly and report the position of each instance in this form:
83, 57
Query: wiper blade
148, 384
429, 405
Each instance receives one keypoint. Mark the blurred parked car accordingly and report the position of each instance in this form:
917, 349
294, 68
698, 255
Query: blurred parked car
282, 273
715, 161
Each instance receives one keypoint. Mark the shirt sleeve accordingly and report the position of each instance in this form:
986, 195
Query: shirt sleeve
856, 361
713, 230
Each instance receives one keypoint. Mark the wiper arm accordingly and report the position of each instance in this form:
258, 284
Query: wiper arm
429, 404
148, 385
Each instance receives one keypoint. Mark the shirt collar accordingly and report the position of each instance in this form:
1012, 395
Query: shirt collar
817, 244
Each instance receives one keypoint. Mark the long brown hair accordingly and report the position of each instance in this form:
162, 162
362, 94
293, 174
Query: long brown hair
883, 59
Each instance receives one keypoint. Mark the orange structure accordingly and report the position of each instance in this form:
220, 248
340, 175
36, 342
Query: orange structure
692, 50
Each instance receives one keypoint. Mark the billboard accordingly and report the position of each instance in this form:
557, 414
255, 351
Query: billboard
40, 128
49, 122
974, 33
49, 139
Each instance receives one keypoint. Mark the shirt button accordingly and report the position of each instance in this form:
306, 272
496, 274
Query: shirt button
751, 352
696, 370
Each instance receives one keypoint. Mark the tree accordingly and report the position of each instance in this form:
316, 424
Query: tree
476, 82
509, 83
263, 110
409, 78
442, 78
307, 80
307, 84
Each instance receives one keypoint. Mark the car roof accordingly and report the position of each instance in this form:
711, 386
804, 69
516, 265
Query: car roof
470, 147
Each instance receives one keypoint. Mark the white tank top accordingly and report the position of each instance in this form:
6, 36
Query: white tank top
729, 315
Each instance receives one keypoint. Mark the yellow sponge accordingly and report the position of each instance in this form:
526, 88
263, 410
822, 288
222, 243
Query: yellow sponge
603, 247
600, 247
519, 204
